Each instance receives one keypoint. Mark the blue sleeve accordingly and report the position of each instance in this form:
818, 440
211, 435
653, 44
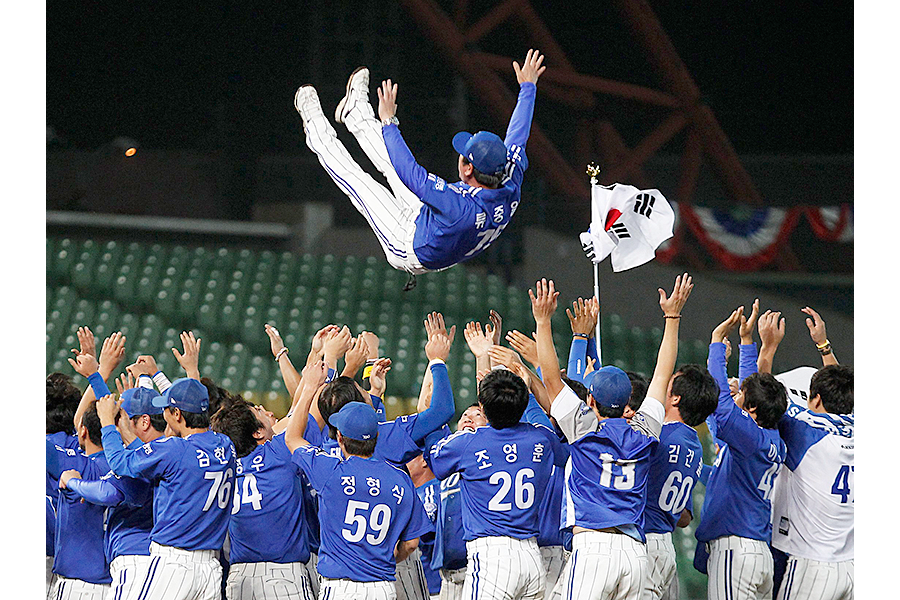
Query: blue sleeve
520, 122
535, 415
316, 463
411, 173
705, 470
431, 439
797, 435
332, 373
716, 365
747, 364
447, 453
442, 405
592, 352
148, 462
378, 405
577, 360
99, 492
560, 450
713, 429
98, 385
61, 459
733, 425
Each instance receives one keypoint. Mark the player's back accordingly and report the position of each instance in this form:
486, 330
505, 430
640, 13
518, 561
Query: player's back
738, 496
450, 548
504, 472
194, 495
267, 517
818, 513
80, 526
395, 444
129, 524
365, 506
63, 440
675, 468
606, 480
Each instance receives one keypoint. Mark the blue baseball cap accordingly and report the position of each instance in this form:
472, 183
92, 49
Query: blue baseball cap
139, 401
357, 421
610, 387
485, 150
185, 394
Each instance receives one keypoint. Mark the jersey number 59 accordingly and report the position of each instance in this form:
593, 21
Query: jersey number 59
379, 521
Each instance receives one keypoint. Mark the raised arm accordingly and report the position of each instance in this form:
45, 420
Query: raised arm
111, 354
411, 173
99, 492
525, 346
280, 352
190, 360
356, 357
816, 326
442, 405
771, 332
312, 379
581, 323
479, 343
543, 305
668, 348
336, 345
527, 75
747, 355
716, 362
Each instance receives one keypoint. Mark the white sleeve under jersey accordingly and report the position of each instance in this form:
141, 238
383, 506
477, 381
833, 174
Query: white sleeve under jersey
813, 510
573, 416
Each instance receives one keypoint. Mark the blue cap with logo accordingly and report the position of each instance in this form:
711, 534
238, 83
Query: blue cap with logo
139, 401
485, 150
610, 387
185, 394
357, 421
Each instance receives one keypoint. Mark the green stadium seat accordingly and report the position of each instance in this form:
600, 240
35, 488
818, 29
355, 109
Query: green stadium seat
212, 360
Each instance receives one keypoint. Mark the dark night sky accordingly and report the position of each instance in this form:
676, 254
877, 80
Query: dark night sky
778, 75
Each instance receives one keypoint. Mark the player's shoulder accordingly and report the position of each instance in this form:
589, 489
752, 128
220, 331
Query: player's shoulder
457, 440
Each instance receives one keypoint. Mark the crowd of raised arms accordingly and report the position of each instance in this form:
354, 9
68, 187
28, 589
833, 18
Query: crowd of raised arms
558, 482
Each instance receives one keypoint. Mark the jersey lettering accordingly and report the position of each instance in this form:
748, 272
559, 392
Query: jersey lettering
625, 481
841, 485
523, 493
765, 484
379, 521
675, 493
251, 495
220, 490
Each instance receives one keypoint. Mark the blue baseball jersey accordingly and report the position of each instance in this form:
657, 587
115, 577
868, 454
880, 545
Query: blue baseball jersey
606, 478
675, 468
449, 545
430, 496
456, 221
79, 543
316, 436
395, 443
549, 520
366, 506
738, 495
194, 479
505, 474
267, 521
130, 522
63, 440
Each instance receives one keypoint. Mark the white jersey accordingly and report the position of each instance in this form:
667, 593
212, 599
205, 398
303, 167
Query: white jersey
814, 518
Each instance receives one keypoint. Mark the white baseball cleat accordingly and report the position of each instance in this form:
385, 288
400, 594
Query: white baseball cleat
306, 101
357, 88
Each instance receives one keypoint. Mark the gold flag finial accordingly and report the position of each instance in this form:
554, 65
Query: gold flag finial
593, 170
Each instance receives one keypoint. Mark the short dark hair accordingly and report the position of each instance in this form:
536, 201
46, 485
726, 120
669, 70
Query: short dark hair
91, 420
491, 181
639, 387
218, 396
834, 385
239, 423
698, 392
364, 448
766, 394
193, 420
157, 422
62, 402
503, 396
576, 386
339, 392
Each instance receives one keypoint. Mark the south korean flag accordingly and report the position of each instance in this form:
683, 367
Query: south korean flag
628, 224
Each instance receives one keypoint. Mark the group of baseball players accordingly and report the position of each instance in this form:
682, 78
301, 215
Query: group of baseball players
557, 483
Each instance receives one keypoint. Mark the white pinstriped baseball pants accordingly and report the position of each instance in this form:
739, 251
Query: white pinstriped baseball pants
739, 569
390, 213
812, 579
177, 574
128, 572
452, 582
344, 589
605, 566
662, 567
504, 568
268, 581
554, 559
312, 573
410, 578
65, 588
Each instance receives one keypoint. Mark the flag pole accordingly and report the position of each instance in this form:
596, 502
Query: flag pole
593, 170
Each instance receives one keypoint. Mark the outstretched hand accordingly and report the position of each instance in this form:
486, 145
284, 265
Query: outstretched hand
816, 326
727, 326
479, 341
434, 323
672, 305
747, 324
771, 329
543, 301
387, 100
190, 360
531, 68
524, 345
111, 354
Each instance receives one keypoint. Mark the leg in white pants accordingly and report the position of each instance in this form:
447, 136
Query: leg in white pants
502, 568
662, 567
554, 558
391, 218
452, 583
268, 581
64, 588
176, 574
605, 566
805, 578
344, 589
410, 578
313, 574
128, 572
739, 569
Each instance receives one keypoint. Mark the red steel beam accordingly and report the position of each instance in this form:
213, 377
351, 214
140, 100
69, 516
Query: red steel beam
488, 22
666, 130
613, 149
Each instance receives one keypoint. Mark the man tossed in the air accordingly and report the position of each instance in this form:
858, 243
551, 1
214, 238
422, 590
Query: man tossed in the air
423, 222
